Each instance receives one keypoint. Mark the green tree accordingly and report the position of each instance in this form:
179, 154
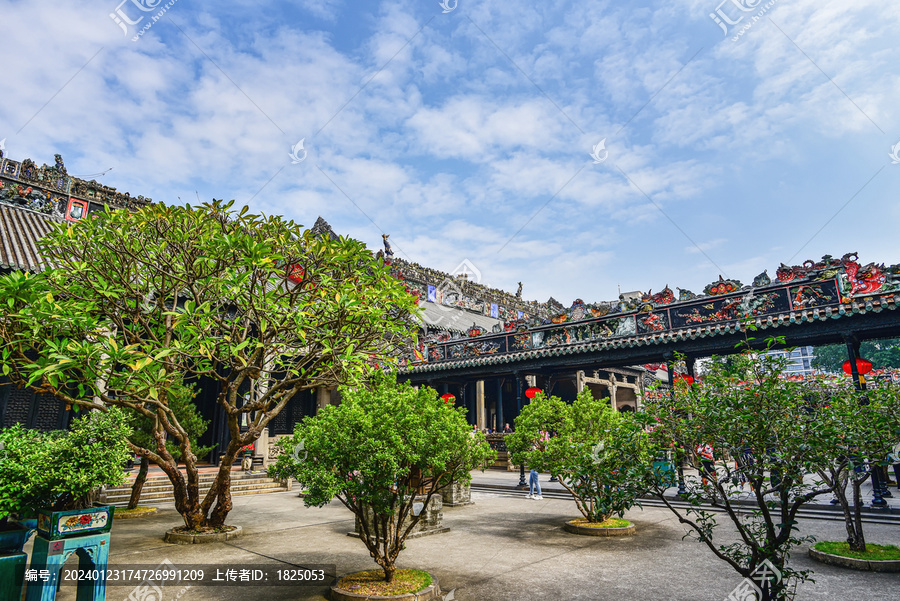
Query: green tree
61, 469
864, 427
767, 425
382, 446
602, 457
138, 305
882, 353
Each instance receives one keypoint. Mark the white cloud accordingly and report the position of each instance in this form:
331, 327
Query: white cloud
452, 149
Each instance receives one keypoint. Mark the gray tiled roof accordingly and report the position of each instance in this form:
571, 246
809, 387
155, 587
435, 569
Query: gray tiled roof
20, 229
453, 319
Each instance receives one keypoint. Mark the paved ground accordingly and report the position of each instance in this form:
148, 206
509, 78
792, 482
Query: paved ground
501, 548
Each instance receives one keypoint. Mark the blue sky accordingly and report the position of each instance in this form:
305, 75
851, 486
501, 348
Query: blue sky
467, 135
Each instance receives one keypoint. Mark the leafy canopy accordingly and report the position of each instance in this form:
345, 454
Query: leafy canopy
58, 469
767, 427
139, 307
139, 299
602, 457
380, 444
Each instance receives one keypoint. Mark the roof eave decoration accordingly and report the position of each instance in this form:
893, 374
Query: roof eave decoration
829, 288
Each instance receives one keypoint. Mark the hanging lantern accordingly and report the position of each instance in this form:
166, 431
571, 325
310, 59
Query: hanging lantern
448, 398
863, 366
532, 392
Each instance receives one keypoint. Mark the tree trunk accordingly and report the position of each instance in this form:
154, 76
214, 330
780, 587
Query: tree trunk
838, 478
389, 573
222, 487
138, 485
860, 542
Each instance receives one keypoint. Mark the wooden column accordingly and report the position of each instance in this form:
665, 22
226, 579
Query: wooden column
322, 398
612, 392
500, 421
480, 418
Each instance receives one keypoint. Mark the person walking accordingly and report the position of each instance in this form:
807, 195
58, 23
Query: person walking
707, 462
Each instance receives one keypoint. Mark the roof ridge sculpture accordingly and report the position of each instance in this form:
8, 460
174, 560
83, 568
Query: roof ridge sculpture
50, 189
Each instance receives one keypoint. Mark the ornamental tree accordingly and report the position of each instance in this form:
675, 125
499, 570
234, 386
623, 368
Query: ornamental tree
602, 457
865, 428
767, 425
140, 308
383, 451
61, 469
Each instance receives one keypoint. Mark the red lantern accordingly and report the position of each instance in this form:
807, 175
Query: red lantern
686, 378
448, 398
863, 366
532, 392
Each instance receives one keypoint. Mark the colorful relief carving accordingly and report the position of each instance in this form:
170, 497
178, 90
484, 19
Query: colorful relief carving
652, 322
827, 282
762, 279
863, 280
484, 347
813, 295
754, 305
685, 295
748, 305
722, 286
826, 268
661, 298
30, 198
45, 189
520, 342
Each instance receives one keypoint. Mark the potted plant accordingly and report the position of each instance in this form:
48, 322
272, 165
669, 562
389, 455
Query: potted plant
383, 452
602, 457
15, 443
52, 477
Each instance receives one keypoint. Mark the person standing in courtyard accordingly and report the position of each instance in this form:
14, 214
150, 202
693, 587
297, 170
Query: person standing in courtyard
707, 462
534, 485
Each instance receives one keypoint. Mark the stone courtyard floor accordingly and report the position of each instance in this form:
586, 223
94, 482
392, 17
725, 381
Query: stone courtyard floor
501, 548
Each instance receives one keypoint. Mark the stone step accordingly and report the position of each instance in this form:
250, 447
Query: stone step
158, 485
168, 496
169, 490
158, 489
239, 493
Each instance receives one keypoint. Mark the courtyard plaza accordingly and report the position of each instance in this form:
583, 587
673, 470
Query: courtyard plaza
502, 547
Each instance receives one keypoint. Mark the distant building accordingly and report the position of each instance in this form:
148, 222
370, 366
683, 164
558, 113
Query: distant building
799, 360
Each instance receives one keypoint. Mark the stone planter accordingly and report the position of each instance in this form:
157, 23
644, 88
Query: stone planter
12, 540
186, 538
12, 573
56, 525
457, 493
432, 521
891, 565
588, 531
433, 591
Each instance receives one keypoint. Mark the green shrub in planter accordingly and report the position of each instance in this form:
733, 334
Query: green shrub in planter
603, 458
60, 470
